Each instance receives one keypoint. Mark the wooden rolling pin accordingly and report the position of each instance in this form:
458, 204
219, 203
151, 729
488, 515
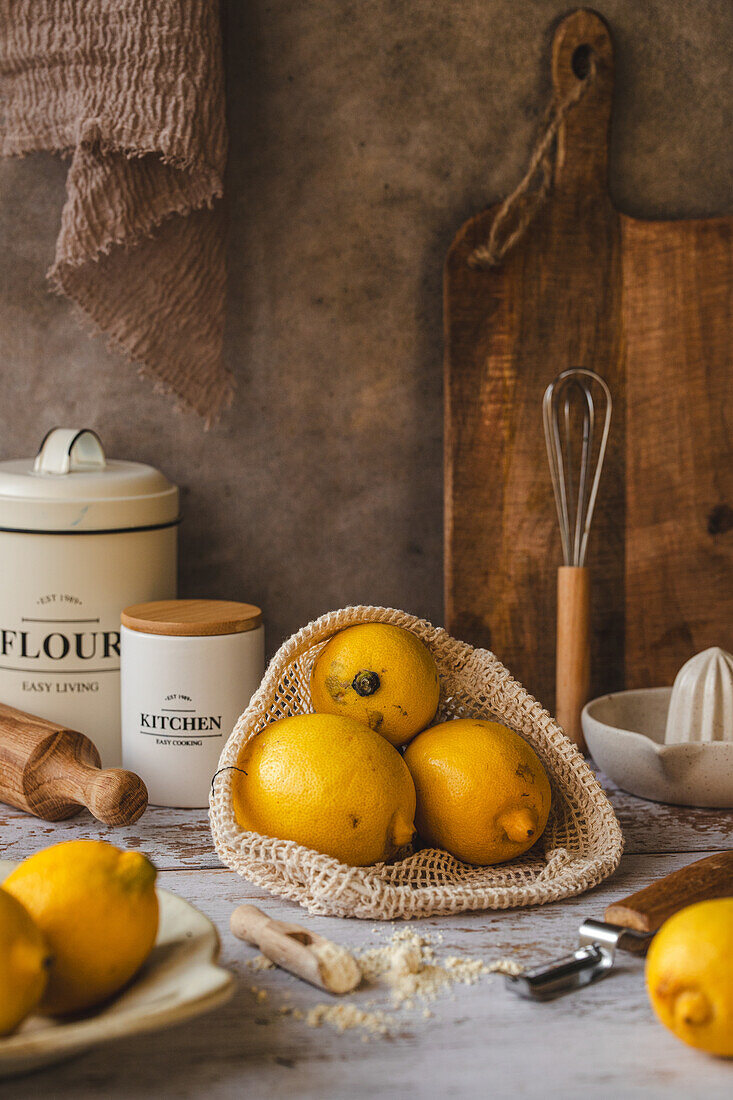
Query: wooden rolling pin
305, 954
53, 772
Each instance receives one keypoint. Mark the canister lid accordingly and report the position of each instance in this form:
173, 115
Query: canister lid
71, 487
192, 618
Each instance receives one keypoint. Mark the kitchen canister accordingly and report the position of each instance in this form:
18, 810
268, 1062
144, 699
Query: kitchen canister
189, 668
81, 537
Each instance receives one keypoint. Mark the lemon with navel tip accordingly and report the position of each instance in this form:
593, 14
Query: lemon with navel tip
329, 783
482, 793
689, 975
24, 963
380, 674
97, 909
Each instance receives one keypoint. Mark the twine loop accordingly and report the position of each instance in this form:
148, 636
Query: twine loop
502, 236
228, 768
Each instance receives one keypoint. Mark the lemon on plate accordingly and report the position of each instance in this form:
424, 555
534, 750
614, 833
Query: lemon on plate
689, 975
379, 674
97, 908
24, 962
482, 793
328, 783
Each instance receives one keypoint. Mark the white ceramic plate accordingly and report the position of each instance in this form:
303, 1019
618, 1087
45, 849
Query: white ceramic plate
625, 737
179, 980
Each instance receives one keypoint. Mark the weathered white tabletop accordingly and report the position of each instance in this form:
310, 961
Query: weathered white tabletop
599, 1042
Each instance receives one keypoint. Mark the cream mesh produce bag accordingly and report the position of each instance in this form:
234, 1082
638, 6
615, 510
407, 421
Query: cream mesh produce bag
580, 847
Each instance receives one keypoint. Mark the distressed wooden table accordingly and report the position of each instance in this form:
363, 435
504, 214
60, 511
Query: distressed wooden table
599, 1042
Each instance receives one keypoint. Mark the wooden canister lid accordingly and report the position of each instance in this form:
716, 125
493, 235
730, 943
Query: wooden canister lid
192, 618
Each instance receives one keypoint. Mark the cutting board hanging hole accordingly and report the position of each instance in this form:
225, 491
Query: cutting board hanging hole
581, 62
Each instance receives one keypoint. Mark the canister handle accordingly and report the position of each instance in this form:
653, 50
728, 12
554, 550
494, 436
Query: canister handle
66, 449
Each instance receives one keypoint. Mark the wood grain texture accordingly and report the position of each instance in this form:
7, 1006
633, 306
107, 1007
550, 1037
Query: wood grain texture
601, 1042
192, 618
53, 772
182, 838
553, 304
572, 673
648, 306
678, 325
647, 909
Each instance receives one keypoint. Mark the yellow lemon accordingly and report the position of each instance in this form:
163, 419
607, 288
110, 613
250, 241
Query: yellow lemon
98, 910
381, 675
689, 975
329, 783
482, 793
24, 962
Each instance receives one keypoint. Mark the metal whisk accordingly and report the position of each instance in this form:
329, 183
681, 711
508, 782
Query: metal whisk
576, 411
575, 512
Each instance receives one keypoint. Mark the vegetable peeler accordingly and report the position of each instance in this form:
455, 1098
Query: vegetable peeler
629, 925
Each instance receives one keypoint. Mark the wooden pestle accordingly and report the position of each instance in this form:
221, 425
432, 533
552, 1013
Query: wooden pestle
52, 772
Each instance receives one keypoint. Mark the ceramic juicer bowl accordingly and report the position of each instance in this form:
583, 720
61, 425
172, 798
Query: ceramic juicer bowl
670, 744
625, 734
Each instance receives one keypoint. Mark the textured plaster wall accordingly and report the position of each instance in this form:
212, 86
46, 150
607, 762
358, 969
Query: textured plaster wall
363, 132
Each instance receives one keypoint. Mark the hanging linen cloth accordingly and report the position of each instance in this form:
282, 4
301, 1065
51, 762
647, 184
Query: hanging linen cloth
133, 92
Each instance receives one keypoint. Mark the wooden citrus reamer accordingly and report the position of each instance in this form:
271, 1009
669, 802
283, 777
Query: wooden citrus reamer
52, 772
576, 411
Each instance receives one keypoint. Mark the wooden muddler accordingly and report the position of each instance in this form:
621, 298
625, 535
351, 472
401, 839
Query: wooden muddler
572, 668
52, 772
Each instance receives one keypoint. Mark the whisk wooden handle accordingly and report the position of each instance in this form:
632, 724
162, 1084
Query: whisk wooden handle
572, 662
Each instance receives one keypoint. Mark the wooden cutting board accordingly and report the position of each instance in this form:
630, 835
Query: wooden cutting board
647, 305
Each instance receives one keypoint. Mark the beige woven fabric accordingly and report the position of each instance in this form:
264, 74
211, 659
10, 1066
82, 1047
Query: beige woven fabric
133, 92
581, 845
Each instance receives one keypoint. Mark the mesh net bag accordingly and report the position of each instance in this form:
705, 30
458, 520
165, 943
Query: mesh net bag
580, 846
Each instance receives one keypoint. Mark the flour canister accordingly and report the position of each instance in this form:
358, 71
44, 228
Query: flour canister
189, 668
81, 537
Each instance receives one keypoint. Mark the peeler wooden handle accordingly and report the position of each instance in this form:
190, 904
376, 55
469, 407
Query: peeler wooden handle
572, 661
297, 950
649, 908
52, 772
